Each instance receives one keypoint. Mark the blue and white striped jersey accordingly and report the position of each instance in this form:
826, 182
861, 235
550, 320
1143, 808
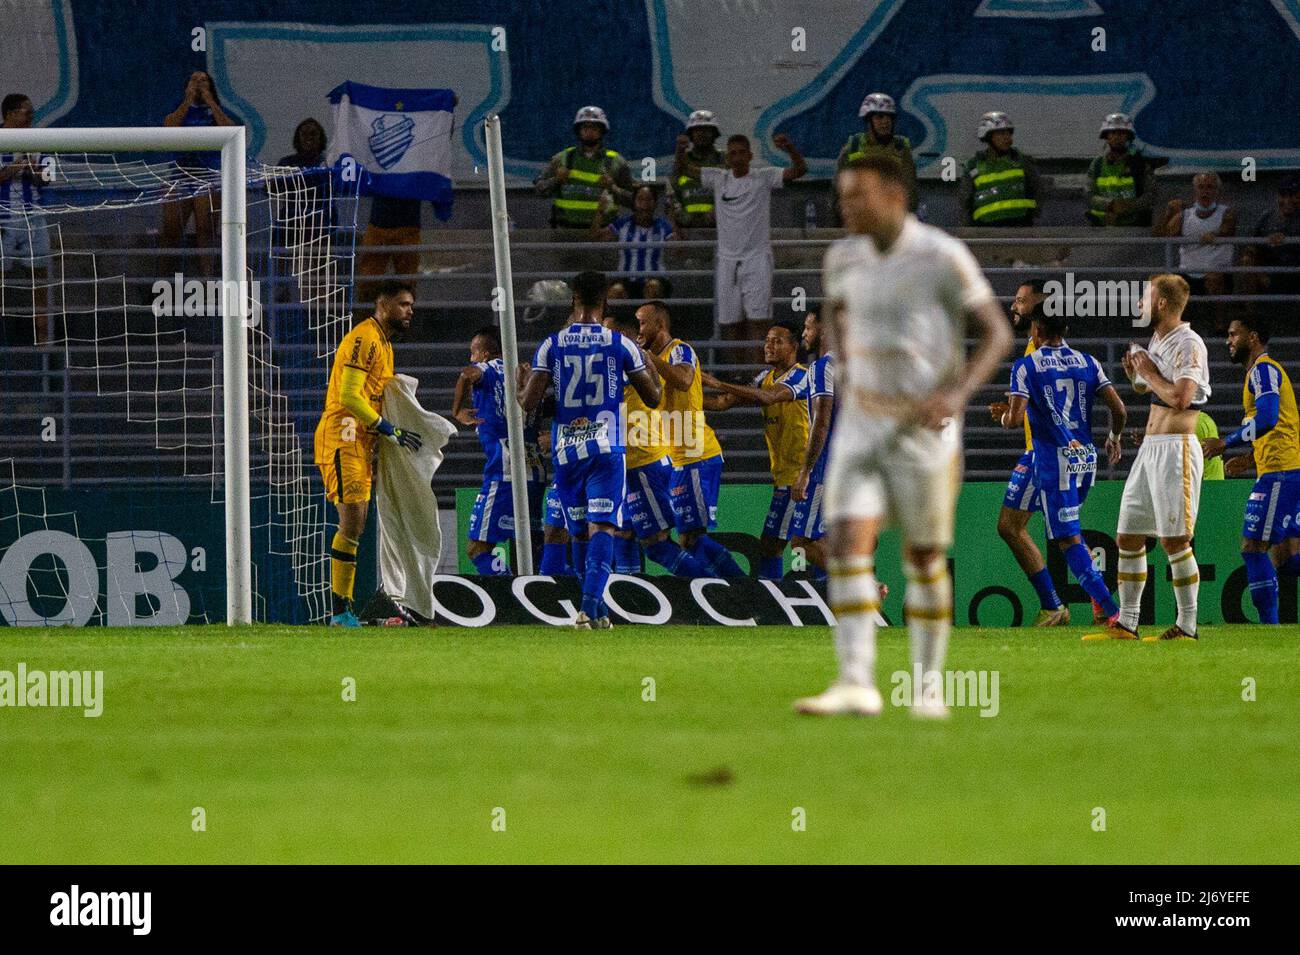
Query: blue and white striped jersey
643, 258
489, 397
589, 367
1061, 386
21, 192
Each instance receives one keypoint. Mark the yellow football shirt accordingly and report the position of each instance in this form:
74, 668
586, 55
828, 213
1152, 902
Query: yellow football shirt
367, 349
1279, 448
646, 439
1029, 436
685, 429
785, 425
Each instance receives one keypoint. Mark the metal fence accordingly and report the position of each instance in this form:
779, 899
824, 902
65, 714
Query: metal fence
94, 445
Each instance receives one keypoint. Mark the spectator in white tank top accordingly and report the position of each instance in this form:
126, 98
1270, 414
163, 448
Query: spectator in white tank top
1207, 219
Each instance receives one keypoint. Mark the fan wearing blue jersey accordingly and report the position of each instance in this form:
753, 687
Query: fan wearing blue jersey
589, 367
1057, 387
480, 401
640, 233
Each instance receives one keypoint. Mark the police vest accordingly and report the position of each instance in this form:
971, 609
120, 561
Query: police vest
999, 189
695, 198
1113, 180
859, 145
576, 200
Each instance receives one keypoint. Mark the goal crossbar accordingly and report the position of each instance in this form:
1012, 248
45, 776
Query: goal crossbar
230, 142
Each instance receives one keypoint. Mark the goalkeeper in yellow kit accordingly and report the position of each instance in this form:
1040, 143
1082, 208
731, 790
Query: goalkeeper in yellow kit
349, 427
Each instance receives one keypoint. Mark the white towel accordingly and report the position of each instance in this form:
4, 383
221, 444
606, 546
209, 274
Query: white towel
410, 540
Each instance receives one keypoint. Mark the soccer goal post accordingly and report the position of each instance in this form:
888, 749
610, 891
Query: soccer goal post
509, 344
230, 142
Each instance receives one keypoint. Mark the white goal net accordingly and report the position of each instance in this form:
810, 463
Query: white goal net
112, 470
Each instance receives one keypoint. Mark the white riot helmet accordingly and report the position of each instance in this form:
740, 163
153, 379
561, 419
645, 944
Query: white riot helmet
1117, 122
991, 122
590, 114
703, 119
877, 103
545, 295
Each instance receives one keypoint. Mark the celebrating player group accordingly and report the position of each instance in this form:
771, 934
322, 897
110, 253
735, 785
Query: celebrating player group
636, 468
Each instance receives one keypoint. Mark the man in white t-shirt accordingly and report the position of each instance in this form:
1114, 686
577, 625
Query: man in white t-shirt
742, 202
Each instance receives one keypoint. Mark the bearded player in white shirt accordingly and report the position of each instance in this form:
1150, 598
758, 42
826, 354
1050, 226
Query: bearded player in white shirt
1163, 489
900, 295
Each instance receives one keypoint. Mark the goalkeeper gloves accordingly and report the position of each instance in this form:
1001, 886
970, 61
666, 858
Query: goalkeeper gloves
410, 440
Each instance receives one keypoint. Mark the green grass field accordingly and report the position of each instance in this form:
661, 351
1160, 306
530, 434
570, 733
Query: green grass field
551, 726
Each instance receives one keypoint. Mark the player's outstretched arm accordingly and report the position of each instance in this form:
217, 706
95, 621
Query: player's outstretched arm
1268, 408
745, 394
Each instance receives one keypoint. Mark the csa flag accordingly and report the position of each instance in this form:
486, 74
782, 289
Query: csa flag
402, 139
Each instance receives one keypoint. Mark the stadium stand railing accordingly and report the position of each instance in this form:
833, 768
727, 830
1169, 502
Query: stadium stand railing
454, 297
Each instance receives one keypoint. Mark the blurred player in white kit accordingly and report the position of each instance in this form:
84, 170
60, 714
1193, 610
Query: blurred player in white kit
900, 295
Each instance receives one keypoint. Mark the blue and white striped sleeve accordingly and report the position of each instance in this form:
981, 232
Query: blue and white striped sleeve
1020, 378
796, 379
634, 361
542, 360
1263, 380
823, 379
1102, 380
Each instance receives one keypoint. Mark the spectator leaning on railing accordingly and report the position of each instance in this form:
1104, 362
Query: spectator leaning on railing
1121, 183
579, 175
694, 200
1000, 186
640, 232
878, 113
1206, 220
1277, 226
305, 214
